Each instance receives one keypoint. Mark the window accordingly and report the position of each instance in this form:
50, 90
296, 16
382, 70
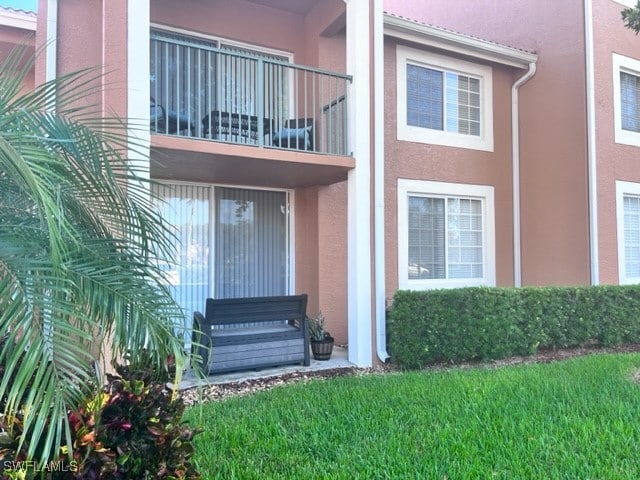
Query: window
626, 99
446, 235
628, 216
444, 101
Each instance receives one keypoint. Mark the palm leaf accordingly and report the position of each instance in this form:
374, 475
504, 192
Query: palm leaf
80, 245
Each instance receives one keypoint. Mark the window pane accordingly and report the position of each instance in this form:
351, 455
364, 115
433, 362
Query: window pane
426, 238
465, 237
632, 236
629, 99
424, 97
468, 105
250, 243
186, 209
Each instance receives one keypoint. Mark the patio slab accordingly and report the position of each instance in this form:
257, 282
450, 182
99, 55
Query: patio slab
339, 359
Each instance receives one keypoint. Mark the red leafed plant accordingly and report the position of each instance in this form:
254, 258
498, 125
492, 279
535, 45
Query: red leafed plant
131, 429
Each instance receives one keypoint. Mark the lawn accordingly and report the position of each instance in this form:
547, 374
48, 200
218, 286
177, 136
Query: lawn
575, 419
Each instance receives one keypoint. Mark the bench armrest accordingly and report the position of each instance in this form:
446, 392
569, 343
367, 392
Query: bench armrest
200, 341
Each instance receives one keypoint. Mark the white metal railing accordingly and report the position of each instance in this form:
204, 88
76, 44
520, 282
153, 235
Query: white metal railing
202, 91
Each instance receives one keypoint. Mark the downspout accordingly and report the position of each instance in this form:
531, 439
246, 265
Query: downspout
50, 69
594, 255
515, 134
378, 192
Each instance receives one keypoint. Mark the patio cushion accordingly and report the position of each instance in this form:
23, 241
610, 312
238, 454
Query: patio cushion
293, 138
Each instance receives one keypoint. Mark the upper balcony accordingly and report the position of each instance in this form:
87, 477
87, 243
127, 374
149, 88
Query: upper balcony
203, 89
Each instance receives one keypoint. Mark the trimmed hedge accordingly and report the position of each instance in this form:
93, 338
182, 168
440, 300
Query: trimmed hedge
488, 323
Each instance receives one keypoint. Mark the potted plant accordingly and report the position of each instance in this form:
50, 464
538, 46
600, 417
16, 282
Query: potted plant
321, 340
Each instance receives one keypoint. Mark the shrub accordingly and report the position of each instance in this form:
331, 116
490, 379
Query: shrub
488, 323
131, 429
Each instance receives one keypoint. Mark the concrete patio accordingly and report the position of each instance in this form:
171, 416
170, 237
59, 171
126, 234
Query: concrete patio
338, 360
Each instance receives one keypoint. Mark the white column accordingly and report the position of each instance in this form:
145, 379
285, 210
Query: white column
51, 63
359, 185
138, 91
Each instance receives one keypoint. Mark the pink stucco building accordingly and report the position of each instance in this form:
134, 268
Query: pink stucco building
347, 148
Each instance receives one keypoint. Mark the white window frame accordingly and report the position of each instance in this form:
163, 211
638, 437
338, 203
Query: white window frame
632, 67
624, 189
411, 133
485, 193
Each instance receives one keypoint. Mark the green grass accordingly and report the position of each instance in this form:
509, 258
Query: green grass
576, 419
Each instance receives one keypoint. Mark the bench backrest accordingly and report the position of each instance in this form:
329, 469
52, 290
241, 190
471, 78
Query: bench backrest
227, 311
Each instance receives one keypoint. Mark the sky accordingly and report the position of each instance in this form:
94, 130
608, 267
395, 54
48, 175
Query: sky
31, 5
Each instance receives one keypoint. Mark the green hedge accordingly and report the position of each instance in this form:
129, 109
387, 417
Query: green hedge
487, 323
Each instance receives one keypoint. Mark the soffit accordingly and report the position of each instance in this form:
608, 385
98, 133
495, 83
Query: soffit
300, 7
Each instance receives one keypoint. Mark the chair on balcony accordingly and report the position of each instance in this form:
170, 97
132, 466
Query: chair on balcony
296, 134
168, 121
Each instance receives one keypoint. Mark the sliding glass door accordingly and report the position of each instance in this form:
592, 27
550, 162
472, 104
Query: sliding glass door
228, 243
192, 77
250, 243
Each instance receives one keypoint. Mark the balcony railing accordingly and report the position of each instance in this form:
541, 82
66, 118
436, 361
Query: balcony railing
232, 95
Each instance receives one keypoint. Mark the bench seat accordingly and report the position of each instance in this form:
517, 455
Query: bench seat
240, 334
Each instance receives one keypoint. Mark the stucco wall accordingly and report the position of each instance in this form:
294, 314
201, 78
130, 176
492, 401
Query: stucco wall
555, 228
10, 38
409, 160
615, 161
91, 34
239, 20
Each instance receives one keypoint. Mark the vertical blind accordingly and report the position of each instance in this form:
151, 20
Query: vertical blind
186, 209
191, 77
251, 243
248, 240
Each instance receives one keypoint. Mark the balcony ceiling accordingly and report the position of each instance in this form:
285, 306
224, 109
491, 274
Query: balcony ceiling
213, 162
300, 7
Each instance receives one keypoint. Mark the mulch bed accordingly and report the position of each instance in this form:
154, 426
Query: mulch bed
247, 387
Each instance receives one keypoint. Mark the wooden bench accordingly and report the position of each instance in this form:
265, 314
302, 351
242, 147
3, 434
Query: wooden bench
252, 333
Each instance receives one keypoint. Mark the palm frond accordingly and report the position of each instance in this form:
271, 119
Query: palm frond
80, 248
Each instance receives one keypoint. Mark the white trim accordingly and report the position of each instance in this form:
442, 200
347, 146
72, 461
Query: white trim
431, 36
51, 49
624, 189
592, 160
359, 261
485, 193
406, 55
631, 66
291, 225
627, 3
15, 19
138, 88
380, 300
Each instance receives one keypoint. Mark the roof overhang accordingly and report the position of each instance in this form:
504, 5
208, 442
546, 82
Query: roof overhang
440, 38
18, 19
